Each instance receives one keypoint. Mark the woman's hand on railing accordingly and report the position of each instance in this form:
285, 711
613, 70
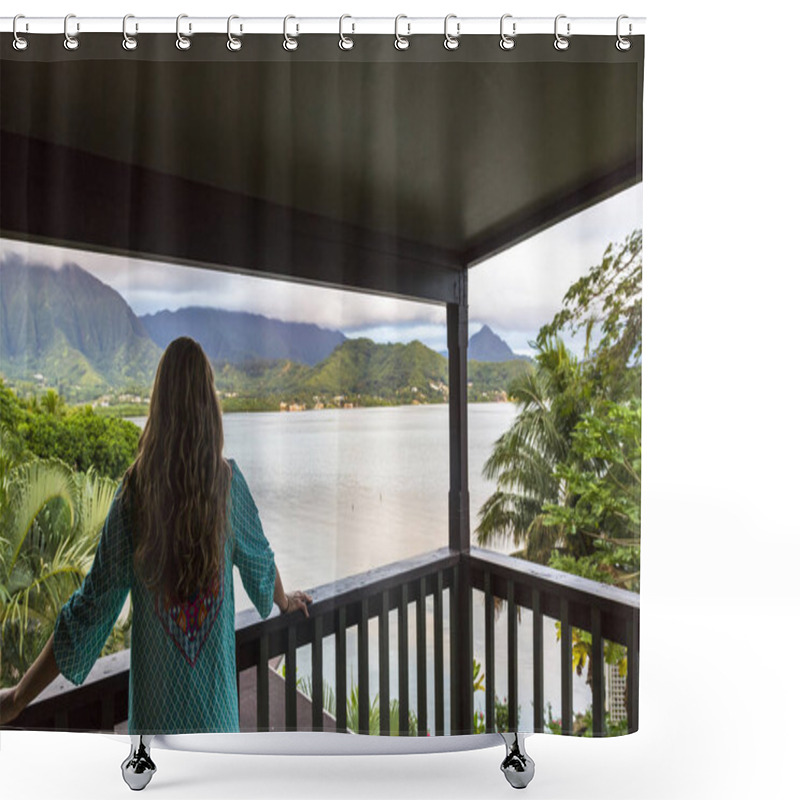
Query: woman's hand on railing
295, 600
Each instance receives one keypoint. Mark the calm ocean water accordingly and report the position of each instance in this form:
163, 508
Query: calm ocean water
342, 491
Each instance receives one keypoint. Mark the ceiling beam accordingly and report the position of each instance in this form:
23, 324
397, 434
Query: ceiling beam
64, 196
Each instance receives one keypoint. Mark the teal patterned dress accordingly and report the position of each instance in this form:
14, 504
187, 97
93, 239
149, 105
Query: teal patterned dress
183, 658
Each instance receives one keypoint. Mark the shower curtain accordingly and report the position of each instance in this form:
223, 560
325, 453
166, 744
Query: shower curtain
414, 263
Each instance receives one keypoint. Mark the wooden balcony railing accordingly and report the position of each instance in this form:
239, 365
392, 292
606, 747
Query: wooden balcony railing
100, 702
605, 611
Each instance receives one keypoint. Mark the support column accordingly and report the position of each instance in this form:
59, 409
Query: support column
459, 534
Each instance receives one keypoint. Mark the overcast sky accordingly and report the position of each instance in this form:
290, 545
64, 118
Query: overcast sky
514, 293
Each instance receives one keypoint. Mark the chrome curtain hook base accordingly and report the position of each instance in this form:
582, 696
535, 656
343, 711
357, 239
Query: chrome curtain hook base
517, 766
138, 768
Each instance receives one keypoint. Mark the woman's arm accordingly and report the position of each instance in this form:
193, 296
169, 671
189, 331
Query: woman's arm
292, 601
39, 676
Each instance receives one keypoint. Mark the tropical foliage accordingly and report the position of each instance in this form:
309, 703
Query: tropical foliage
51, 517
48, 428
568, 470
50, 523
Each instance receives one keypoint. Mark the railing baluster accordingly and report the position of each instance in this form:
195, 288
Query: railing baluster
438, 654
290, 683
316, 676
363, 668
566, 669
341, 670
422, 661
262, 684
402, 655
513, 722
598, 675
383, 665
538, 662
454, 665
488, 597
632, 687
465, 654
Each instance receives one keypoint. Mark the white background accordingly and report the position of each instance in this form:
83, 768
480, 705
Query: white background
719, 589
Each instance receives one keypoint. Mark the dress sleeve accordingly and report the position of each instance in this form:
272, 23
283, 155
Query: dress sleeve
252, 553
86, 620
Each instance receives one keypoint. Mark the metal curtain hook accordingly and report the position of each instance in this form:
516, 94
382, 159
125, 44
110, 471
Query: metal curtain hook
128, 42
345, 42
623, 43
289, 42
19, 42
507, 42
182, 42
401, 42
234, 42
561, 42
70, 42
450, 41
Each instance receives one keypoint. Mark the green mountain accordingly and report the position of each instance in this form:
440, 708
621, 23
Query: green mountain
362, 367
71, 329
361, 372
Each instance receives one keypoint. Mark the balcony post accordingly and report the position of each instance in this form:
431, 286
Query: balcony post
457, 340
461, 669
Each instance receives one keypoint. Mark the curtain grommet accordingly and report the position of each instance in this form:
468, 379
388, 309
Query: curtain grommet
19, 43
561, 42
451, 41
234, 43
345, 42
507, 41
129, 42
70, 42
290, 42
182, 42
401, 42
623, 44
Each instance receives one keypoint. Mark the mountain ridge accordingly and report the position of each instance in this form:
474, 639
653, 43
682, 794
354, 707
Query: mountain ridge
66, 329
66, 324
240, 336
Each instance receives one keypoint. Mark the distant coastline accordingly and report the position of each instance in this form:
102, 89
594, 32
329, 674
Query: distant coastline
128, 410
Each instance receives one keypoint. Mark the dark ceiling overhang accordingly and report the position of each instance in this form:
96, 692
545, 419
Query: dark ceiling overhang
370, 169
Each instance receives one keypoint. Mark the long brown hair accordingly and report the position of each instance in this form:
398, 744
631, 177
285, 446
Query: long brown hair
178, 485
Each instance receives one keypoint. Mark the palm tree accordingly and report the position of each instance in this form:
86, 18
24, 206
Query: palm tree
53, 403
50, 523
551, 397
